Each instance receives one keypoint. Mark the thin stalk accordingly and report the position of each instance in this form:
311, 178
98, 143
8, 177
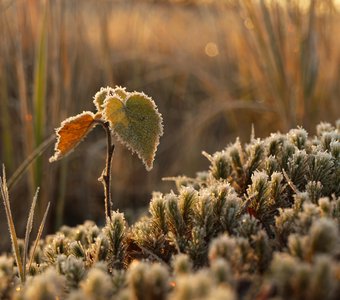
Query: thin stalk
40, 230
28, 230
61, 198
290, 182
40, 81
28, 161
39, 99
25, 111
105, 178
5, 121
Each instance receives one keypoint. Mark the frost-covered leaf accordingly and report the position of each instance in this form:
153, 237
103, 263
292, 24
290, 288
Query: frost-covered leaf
100, 96
121, 92
71, 132
136, 122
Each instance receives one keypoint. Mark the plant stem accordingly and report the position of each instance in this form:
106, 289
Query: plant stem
106, 175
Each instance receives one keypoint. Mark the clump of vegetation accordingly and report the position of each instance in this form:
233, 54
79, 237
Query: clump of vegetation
263, 222
132, 117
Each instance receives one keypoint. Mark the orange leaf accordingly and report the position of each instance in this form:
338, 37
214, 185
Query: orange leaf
71, 133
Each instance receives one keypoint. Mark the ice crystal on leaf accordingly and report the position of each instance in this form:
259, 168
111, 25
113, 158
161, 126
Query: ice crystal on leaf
71, 132
136, 122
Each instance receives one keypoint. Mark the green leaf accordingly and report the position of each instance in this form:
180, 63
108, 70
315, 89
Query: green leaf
100, 96
136, 122
121, 92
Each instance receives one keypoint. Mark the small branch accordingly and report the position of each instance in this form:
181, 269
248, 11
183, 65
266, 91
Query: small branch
105, 178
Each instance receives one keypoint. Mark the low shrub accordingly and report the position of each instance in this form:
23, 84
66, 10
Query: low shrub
263, 222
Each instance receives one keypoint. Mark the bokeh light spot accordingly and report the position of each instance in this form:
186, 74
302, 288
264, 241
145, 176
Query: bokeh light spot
249, 24
211, 49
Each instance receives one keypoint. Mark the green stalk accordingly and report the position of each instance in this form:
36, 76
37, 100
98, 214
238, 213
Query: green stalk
39, 93
7, 139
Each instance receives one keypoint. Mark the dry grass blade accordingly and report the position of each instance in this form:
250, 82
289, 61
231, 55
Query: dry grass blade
14, 239
275, 50
23, 85
290, 182
29, 160
153, 255
41, 228
29, 229
246, 204
207, 155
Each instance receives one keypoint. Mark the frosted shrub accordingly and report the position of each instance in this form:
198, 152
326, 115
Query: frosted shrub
262, 223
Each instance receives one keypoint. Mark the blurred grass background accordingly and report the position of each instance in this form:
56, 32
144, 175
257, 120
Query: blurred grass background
213, 67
